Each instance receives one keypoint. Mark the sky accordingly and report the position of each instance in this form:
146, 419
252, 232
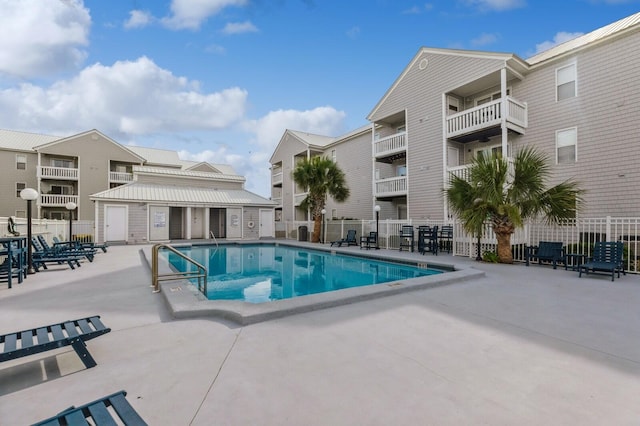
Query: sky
221, 80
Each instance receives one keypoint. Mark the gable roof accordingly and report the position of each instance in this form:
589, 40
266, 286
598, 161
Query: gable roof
180, 195
192, 174
23, 141
515, 61
630, 23
157, 156
97, 132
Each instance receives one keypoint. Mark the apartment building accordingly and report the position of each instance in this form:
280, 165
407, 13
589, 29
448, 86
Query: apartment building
578, 102
133, 194
350, 152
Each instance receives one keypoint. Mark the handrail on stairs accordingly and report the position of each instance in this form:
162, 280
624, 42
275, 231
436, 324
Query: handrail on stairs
200, 274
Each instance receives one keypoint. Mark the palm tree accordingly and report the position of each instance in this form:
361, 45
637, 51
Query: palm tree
509, 194
322, 177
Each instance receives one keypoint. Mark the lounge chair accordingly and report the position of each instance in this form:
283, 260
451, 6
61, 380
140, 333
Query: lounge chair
607, 258
80, 244
69, 333
370, 241
67, 249
545, 251
349, 240
41, 257
98, 413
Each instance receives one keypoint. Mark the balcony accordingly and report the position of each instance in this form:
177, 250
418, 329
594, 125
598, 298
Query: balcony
298, 198
57, 200
466, 125
391, 147
463, 171
276, 179
57, 173
120, 177
391, 187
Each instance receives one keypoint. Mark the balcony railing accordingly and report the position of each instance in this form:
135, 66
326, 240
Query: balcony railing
276, 178
57, 200
395, 186
463, 171
120, 177
487, 115
62, 173
297, 198
390, 144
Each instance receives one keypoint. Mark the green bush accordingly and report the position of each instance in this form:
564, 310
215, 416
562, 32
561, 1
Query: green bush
490, 256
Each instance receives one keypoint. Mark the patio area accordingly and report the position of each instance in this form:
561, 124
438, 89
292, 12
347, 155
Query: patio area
519, 345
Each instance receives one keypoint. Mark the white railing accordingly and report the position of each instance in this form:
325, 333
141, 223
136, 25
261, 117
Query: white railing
120, 177
463, 171
49, 172
486, 115
57, 200
391, 186
297, 198
577, 235
276, 178
390, 144
277, 200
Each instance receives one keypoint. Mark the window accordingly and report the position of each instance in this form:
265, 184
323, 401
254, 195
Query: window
21, 162
401, 129
60, 162
19, 187
61, 190
566, 146
333, 155
56, 215
401, 170
491, 97
493, 149
334, 213
566, 82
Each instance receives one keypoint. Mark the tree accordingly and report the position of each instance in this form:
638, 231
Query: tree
509, 194
322, 177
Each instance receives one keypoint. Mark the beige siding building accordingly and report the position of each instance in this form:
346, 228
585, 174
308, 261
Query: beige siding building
578, 102
132, 194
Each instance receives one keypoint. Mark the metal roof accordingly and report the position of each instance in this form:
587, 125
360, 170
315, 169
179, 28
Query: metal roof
181, 195
157, 156
592, 37
186, 173
23, 141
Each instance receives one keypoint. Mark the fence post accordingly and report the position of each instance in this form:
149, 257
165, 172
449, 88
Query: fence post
608, 229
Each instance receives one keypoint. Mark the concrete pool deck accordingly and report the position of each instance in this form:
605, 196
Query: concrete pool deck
518, 345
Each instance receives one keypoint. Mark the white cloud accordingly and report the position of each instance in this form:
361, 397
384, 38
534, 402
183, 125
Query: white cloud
215, 48
417, 10
138, 19
128, 98
559, 38
497, 5
353, 32
239, 28
190, 14
484, 39
42, 37
269, 129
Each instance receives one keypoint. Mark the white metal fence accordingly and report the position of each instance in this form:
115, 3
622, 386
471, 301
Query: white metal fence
578, 235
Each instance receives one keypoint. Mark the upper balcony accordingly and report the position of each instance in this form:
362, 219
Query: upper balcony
391, 187
120, 177
485, 120
57, 173
463, 171
57, 200
391, 147
276, 177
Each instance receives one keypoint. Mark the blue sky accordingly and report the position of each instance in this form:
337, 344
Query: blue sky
220, 80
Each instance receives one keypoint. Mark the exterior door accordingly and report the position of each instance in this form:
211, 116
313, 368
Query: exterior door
266, 223
115, 223
158, 223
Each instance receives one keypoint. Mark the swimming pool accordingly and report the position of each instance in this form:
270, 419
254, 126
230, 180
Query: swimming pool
258, 273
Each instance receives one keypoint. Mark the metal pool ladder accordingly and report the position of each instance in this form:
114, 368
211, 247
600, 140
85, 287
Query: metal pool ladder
200, 273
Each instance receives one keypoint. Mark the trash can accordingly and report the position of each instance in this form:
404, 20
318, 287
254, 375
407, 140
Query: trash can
302, 233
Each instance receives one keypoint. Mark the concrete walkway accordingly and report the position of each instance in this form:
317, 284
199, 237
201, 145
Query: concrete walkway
520, 345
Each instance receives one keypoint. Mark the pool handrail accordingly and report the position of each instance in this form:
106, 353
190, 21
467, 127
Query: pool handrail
200, 274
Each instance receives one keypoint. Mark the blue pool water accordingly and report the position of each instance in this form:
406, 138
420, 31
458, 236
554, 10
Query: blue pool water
265, 272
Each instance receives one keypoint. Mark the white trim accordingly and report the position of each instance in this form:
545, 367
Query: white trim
575, 143
575, 79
